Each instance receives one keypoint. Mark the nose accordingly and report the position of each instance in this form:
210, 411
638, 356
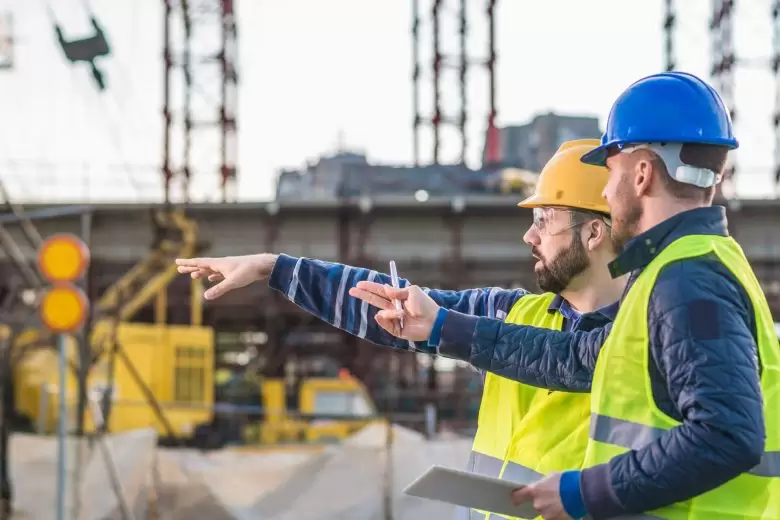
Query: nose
531, 237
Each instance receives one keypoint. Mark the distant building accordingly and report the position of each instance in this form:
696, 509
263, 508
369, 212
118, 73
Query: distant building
522, 152
531, 145
351, 175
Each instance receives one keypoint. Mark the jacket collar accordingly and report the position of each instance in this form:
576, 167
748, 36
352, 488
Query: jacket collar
641, 249
560, 304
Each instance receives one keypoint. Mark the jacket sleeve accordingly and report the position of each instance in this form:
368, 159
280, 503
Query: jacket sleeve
322, 289
535, 356
702, 343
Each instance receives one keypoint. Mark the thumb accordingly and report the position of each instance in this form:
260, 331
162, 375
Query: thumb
218, 290
523, 494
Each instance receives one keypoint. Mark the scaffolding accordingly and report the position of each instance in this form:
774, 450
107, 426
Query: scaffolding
200, 93
723, 68
776, 71
670, 18
436, 75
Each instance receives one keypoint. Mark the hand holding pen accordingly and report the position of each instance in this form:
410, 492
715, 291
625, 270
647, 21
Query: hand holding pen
407, 313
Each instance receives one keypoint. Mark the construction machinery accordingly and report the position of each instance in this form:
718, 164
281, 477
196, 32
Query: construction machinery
318, 410
146, 374
162, 376
517, 180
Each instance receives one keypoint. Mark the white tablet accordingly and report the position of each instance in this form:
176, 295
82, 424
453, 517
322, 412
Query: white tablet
470, 490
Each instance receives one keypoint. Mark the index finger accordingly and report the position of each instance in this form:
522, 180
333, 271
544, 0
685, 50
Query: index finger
194, 262
383, 290
374, 299
372, 287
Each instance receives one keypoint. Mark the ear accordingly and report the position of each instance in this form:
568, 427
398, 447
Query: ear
594, 233
644, 173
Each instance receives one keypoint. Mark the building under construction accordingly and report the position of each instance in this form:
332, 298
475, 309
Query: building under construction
248, 406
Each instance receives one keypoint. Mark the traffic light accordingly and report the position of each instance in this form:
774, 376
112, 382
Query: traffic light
62, 260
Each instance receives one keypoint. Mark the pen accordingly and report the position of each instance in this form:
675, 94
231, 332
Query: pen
394, 281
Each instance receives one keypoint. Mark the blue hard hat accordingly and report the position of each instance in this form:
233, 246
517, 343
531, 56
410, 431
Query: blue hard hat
670, 107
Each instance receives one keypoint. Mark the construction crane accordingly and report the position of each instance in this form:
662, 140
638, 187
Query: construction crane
146, 283
176, 235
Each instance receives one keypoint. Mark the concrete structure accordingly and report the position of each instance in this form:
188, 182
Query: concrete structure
459, 242
449, 243
531, 145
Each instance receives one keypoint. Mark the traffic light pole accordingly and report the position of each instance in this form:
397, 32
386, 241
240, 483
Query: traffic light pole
62, 432
63, 259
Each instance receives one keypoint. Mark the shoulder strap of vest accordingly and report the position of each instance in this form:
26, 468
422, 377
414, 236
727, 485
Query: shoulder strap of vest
532, 309
688, 246
529, 301
730, 254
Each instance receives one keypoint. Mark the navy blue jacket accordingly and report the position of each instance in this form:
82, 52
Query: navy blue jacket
322, 289
703, 367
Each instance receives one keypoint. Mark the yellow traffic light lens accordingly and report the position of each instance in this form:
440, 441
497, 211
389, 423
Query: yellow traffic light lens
63, 257
63, 308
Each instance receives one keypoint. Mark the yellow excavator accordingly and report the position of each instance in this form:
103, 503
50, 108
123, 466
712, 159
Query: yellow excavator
163, 376
156, 371
312, 410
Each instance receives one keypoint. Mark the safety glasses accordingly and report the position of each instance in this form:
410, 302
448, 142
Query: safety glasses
553, 221
550, 220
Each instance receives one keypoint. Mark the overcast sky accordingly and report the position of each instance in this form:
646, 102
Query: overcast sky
314, 74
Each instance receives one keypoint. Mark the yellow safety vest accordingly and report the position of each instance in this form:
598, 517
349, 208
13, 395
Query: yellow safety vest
524, 431
625, 416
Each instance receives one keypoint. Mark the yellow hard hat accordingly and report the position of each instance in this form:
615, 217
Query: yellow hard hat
567, 181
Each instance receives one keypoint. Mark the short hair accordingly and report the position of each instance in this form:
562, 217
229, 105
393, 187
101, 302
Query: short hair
706, 156
580, 217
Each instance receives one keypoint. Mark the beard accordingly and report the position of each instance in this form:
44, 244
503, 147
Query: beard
554, 276
625, 219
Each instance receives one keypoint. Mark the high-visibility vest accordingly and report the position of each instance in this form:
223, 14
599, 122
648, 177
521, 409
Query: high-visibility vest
625, 416
525, 431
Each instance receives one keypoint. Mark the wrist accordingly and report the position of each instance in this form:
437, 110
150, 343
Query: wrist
264, 266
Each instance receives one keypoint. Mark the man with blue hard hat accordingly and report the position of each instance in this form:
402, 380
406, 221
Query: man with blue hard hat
685, 383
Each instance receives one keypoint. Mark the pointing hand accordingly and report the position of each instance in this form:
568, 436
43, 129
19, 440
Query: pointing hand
232, 272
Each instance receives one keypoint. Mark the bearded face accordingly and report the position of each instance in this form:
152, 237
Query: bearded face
554, 271
624, 205
626, 212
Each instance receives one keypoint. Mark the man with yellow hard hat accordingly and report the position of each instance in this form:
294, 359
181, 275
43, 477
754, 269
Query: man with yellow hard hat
524, 432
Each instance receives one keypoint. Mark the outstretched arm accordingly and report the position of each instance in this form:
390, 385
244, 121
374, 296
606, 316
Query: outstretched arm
322, 289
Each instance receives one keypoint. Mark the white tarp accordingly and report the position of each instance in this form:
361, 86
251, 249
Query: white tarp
34, 474
344, 482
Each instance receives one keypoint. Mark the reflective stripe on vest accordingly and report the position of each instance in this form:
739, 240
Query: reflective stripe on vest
491, 467
624, 415
633, 436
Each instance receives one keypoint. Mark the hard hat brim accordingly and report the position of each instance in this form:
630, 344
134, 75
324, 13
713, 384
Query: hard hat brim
596, 157
534, 201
